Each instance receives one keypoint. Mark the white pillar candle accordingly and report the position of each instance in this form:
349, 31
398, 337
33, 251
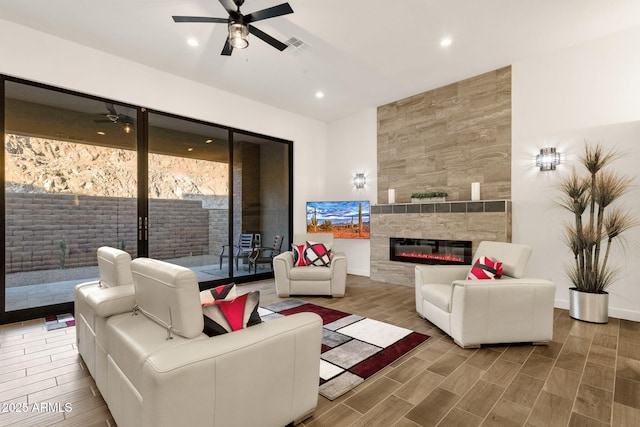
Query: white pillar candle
475, 191
392, 195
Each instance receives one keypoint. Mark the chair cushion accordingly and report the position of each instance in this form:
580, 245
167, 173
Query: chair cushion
485, 268
228, 316
169, 295
114, 266
438, 295
310, 273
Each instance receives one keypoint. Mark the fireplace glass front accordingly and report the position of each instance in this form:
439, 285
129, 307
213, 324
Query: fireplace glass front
430, 251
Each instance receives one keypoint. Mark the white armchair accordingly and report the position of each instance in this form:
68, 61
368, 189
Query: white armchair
476, 312
310, 280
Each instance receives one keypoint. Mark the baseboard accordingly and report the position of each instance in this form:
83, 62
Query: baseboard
358, 272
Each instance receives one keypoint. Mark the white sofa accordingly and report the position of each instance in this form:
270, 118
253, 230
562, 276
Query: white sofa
310, 280
476, 312
163, 371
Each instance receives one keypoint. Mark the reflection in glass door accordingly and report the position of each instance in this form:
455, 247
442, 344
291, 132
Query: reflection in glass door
69, 187
188, 206
261, 183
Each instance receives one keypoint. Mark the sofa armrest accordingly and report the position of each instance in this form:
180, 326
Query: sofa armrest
282, 265
498, 311
110, 301
274, 366
436, 274
338, 274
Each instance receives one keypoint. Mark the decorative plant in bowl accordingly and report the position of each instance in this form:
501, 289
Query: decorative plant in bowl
596, 223
430, 197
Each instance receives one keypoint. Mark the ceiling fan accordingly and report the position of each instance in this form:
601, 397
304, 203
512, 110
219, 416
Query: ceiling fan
239, 25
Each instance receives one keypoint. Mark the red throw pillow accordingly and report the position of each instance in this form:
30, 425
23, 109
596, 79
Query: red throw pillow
485, 268
317, 254
227, 316
298, 255
219, 293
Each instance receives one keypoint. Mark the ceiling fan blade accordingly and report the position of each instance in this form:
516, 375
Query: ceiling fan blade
110, 108
271, 12
200, 19
227, 49
267, 38
228, 5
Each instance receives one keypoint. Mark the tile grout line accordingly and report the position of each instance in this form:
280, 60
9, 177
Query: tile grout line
615, 374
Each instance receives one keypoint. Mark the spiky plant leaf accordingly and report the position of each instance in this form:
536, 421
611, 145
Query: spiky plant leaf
609, 187
596, 157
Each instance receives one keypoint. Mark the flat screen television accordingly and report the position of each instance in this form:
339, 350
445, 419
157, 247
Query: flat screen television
345, 220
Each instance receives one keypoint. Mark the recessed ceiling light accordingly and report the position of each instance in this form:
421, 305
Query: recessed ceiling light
192, 42
190, 149
101, 133
319, 94
208, 141
445, 42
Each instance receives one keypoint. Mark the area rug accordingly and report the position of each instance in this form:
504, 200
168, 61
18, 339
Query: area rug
59, 321
353, 347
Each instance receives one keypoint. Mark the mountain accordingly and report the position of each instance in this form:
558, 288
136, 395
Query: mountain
38, 165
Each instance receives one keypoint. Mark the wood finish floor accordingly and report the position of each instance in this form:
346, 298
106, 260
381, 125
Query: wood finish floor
588, 376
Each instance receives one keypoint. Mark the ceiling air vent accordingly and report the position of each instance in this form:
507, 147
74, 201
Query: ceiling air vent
296, 46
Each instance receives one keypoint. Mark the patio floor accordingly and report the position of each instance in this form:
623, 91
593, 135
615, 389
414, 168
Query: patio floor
47, 287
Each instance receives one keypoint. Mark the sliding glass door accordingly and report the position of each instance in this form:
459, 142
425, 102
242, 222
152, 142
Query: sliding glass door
261, 202
69, 187
188, 191
82, 172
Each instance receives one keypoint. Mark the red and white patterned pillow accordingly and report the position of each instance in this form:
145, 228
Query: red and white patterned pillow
485, 268
227, 316
298, 255
317, 254
219, 293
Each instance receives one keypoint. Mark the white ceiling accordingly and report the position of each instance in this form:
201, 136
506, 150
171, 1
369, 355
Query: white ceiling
362, 54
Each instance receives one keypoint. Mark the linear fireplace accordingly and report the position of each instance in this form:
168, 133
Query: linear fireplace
430, 251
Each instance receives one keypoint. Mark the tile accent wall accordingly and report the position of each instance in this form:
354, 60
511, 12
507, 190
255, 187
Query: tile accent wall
447, 138
475, 221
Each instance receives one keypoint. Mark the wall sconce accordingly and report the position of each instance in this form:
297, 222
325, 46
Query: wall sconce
548, 159
359, 180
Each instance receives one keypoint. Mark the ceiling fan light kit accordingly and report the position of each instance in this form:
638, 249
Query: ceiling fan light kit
239, 25
238, 35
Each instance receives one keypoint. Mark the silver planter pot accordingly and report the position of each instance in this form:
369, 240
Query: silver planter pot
589, 307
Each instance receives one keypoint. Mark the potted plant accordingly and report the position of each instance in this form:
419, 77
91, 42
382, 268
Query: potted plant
597, 221
430, 197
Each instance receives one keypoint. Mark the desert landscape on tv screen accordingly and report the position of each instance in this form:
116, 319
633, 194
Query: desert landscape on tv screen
345, 220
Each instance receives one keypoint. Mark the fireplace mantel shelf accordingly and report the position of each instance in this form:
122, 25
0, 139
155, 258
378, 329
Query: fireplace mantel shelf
480, 206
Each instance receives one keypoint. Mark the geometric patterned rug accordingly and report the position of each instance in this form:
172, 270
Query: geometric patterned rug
59, 321
353, 347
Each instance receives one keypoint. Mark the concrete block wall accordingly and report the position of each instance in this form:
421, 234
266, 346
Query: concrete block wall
49, 231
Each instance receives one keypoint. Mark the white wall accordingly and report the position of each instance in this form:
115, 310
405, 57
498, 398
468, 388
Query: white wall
588, 92
39, 57
351, 149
